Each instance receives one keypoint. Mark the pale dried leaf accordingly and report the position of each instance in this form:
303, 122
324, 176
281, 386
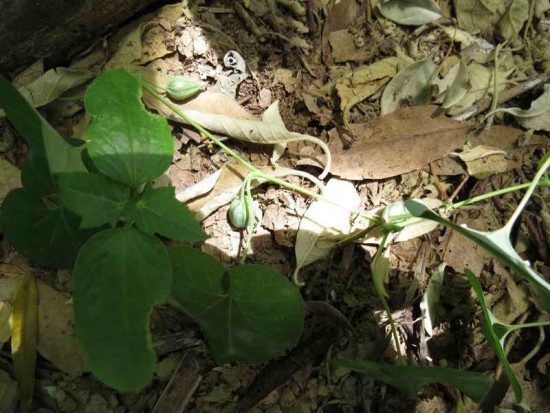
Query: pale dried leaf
460, 85
430, 299
272, 115
409, 87
10, 178
410, 12
400, 142
483, 161
220, 189
537, 117
324, 224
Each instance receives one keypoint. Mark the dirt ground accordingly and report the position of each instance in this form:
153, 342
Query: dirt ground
307, 55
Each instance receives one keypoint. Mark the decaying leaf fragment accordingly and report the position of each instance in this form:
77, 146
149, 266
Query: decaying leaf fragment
324, 224
400, 142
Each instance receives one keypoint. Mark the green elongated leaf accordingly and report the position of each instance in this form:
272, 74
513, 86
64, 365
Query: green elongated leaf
120, 274
36, 176
42, 138
47, 234
158, 212
249, 313
495, 332
410, 12
125, 141
95, 198
24, 339
497, 243
409, 379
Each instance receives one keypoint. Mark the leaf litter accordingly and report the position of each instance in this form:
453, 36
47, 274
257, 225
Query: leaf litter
392, 149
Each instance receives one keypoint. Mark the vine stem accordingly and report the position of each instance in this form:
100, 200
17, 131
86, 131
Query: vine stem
244, 162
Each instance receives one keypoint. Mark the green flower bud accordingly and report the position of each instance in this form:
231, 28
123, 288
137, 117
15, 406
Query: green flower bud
241, 214
181, 87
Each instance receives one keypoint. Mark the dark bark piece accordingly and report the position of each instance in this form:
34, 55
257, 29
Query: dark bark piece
182, 384
38, 29
320, 333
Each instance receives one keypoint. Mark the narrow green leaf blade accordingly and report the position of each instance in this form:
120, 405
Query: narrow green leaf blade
120, 274
49, 235
159, 212
249, 314
494, 338
95, 198
41, 136
125, 141
410, 379
24, 338
497, 243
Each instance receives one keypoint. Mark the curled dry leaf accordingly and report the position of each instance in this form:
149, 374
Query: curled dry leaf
397, 143
56, 337
324, 224
220, 188
537, 117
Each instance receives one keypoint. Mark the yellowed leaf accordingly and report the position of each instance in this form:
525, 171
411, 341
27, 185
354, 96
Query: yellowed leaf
24, 338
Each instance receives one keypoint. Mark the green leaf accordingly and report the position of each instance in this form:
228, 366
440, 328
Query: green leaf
41, 136
410, 379
95, 198
249, 313
36, 176
125, 141
410, 12
497, 243
495, 332
45, 233
158, 211
120, 274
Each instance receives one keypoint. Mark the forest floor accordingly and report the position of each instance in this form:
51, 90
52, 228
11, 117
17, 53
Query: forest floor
333, 69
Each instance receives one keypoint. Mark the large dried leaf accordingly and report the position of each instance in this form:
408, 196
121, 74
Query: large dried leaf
24, 338
409, 87
400, 142
324, 224
56, 338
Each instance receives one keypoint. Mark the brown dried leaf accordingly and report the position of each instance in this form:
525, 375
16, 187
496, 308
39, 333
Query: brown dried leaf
399, 142
56, 338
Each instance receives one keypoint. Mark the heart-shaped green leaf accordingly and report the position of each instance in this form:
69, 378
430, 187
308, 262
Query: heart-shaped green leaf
410, 379
158, 212
125, 141
249, 313
46, 233
120, 274
95, 198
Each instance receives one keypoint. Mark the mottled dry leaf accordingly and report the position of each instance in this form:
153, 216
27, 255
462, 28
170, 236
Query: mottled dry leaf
409, 87
324, 224
512, 21
483, 161
410, 12
400, 142
56, 337
537, 117
475, 16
